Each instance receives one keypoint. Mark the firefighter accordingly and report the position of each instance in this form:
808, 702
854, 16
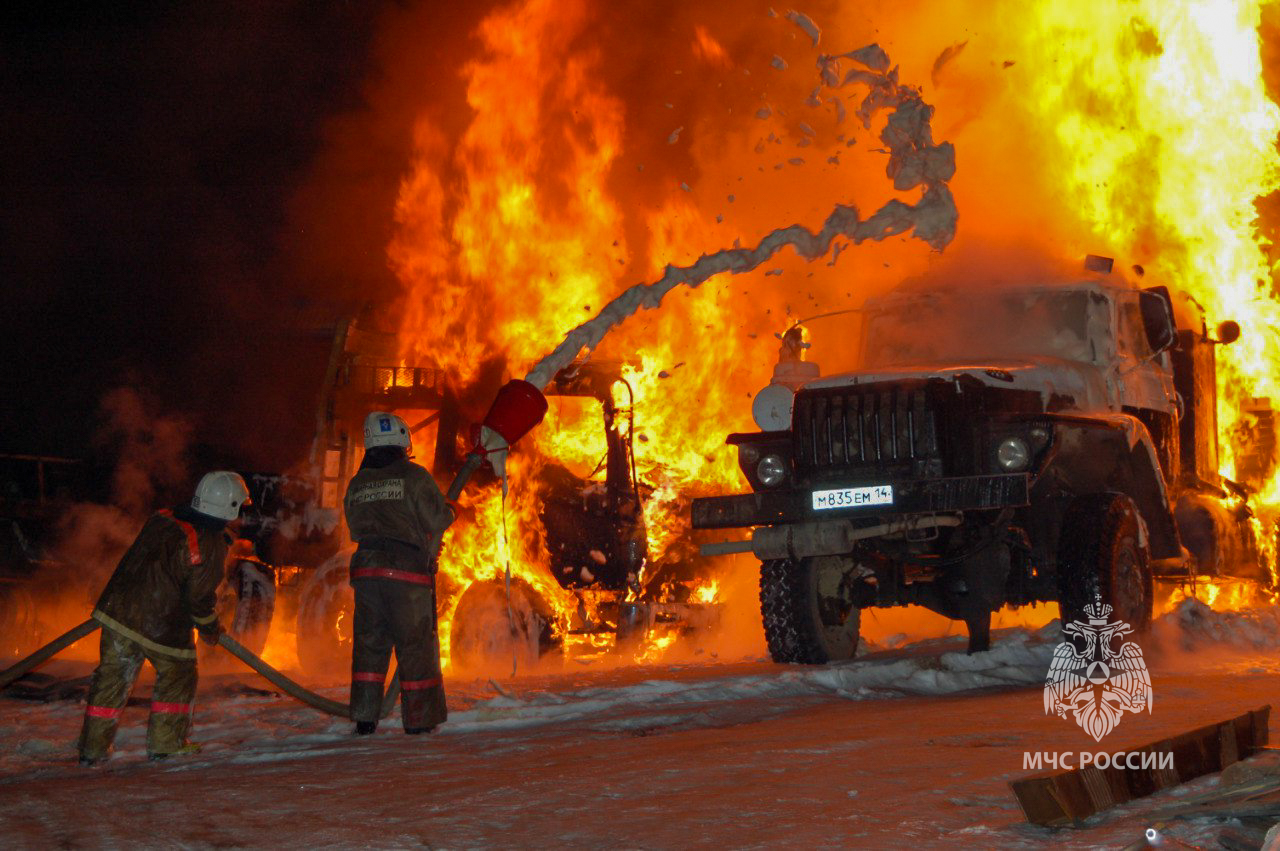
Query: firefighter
397, 515
164, 586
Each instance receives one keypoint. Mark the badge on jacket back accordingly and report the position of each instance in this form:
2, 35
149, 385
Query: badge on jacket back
377, 491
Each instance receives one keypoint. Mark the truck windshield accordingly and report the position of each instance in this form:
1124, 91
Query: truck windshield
983, 325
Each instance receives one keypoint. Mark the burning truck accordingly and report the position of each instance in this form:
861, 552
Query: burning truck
1049, 440
592, 576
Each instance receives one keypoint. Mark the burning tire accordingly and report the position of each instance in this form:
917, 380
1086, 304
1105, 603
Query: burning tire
486, 636
326, 606
1101, 553
807, 619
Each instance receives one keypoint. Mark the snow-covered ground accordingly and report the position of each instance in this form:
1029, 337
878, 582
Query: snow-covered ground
910, 746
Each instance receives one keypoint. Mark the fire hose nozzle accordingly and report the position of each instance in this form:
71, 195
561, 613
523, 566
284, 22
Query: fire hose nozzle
518, 407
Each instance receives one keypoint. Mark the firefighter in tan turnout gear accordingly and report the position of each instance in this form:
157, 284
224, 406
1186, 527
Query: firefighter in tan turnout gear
163, 587
397, 515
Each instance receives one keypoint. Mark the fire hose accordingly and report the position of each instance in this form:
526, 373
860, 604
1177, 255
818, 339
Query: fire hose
235, 648
44, 654
518, 407
288, 686
298, 692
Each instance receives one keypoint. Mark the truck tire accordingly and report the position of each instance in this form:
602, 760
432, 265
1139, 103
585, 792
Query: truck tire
1100, 552
486, 638
326, 609
806, 621
255, 606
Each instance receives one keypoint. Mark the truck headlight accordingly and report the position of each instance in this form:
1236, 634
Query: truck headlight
771, 470
1013, 454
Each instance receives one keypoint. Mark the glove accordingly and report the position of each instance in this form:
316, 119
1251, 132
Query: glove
210, 633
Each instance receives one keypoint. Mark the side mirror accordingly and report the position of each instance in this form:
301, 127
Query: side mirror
1228, 332
1157, 318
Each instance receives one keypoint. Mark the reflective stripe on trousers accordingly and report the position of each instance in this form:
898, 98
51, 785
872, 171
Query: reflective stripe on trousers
102, 712
397, 616
120, 659
391, 573
416, 685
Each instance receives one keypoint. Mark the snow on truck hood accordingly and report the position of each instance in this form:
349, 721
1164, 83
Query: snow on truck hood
1049, 376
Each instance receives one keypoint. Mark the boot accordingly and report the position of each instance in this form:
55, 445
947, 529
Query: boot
416, 731
365, 728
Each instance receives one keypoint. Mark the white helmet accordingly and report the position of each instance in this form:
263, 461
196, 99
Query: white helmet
383, 429
221, 494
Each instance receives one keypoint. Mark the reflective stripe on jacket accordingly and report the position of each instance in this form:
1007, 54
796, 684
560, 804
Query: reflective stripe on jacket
165, 585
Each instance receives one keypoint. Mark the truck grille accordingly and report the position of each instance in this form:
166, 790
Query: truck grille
863, 427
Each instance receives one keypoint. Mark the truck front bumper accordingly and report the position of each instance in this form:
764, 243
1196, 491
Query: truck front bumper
923, 496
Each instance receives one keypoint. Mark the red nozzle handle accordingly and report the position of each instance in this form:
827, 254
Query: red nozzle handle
519, 407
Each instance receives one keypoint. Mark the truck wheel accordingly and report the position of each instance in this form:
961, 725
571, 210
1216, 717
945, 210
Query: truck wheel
1101, 553
326, 608
807, 620
486, 637
255, 605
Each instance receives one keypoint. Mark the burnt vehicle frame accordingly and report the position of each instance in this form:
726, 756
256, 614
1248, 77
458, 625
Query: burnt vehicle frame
597, 548
594, 531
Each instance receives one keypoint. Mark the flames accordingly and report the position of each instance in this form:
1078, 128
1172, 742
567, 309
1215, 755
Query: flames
528, 242
706, 592
1141, 129
516, 257
1220, 594
531, 236
1167, 138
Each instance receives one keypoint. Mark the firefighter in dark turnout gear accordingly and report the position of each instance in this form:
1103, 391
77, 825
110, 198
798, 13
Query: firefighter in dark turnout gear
397, 515
163, 587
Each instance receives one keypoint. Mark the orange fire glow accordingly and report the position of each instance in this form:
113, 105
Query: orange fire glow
1166, 138
1142, 130
536, 243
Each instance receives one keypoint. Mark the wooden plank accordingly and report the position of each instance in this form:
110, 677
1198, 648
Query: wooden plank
1067, 797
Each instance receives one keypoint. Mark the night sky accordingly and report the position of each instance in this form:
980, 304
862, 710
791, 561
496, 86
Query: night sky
193, 195
151, 162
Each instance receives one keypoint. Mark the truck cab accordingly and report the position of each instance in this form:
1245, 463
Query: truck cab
1033, 441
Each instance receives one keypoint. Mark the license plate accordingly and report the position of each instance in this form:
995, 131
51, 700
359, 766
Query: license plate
853, 497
